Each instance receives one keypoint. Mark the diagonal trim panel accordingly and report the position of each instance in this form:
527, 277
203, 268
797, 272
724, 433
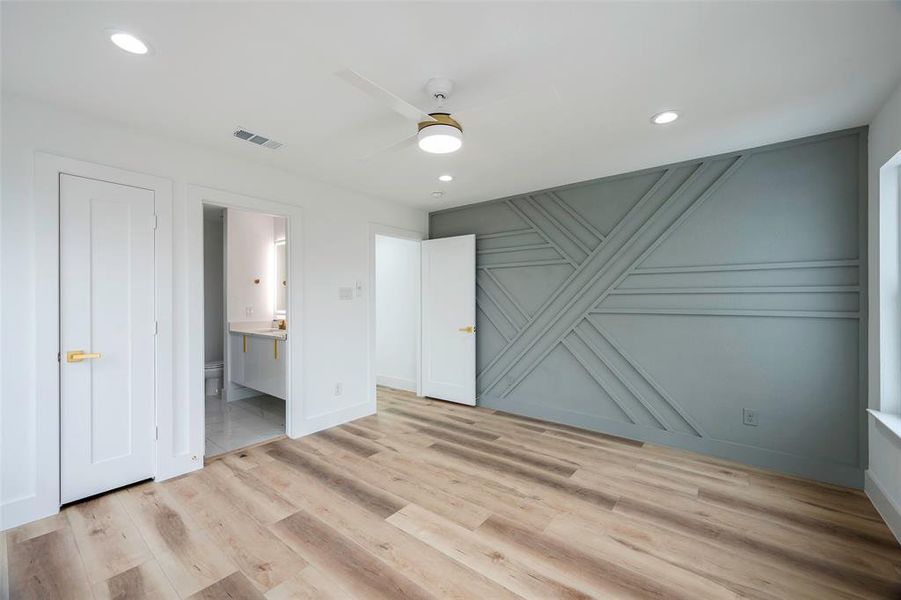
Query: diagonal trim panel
672, 273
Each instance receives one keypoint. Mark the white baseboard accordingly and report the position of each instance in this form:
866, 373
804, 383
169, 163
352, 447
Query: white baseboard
888, 510
397, 383
25, 510
330, 419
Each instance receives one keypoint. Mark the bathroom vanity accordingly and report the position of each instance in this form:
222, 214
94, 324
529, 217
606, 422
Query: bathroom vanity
258, 358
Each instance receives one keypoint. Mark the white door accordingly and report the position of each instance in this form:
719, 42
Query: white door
449, 318
107, 331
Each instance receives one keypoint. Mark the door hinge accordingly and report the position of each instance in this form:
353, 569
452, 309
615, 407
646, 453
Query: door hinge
156, 328
156, 433
155, 220
58, 356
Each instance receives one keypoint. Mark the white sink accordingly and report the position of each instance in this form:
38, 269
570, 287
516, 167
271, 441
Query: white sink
257, 330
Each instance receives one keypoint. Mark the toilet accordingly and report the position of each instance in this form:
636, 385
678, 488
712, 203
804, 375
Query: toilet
212, 375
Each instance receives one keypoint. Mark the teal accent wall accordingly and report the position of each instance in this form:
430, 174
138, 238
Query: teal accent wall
658, 305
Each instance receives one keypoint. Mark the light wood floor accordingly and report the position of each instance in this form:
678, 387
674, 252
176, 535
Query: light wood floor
436, 500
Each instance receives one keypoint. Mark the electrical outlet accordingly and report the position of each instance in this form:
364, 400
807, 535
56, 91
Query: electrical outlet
749, 417
248, 311
339, 389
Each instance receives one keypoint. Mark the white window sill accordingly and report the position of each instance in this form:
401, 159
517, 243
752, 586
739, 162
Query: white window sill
891, 421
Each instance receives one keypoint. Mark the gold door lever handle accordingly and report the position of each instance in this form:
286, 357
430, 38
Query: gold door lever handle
469, 329
80, 355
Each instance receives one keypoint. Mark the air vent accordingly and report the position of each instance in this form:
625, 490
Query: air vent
259, 140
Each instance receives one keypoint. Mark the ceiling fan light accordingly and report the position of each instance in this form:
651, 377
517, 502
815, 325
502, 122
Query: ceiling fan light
440, 139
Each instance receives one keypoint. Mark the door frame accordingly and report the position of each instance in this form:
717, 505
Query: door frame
295, 417
47, 169
406, 234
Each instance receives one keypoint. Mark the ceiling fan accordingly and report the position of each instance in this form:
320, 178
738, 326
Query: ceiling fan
437, 131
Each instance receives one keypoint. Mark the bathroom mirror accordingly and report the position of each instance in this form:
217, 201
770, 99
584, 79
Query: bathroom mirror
281, 279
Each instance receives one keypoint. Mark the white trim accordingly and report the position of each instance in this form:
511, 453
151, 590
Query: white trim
885, 284
407, 234
887, 509
324, 420
296, 423
397, 383
891, 421
47, 168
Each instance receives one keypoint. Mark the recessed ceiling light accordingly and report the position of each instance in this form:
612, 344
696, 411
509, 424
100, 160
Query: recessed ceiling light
662, 118
437, 194
128, 42
445, 178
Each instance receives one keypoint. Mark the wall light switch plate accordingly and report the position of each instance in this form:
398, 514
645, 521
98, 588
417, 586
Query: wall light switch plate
339, 389
345, 293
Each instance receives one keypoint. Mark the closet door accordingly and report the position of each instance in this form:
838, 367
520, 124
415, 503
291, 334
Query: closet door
107, 336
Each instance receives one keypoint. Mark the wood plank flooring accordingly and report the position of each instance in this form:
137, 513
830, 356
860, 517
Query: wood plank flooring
435, 500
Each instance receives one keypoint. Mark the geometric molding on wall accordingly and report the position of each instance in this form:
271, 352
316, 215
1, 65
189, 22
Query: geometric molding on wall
552, 265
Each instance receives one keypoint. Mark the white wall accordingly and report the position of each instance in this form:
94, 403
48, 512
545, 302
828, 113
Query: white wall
213, 288
396, 311
883, 481
335, 250
250, 252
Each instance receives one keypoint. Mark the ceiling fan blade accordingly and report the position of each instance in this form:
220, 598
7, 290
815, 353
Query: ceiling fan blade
398, 145
381, 94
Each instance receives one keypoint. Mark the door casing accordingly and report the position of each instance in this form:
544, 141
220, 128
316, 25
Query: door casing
45, 500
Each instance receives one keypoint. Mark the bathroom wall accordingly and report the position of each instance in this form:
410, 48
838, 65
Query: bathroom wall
250, 259
213, 285
662, 305
396, 311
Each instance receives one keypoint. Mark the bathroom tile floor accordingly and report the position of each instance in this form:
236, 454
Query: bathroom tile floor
233, 425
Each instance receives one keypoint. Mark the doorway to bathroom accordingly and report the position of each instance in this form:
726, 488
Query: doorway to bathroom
245, 328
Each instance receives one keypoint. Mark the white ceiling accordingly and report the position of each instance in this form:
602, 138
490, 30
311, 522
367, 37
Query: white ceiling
566, 90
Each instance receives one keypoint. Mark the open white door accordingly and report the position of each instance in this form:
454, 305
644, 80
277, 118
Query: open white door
107, 343
448, 319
